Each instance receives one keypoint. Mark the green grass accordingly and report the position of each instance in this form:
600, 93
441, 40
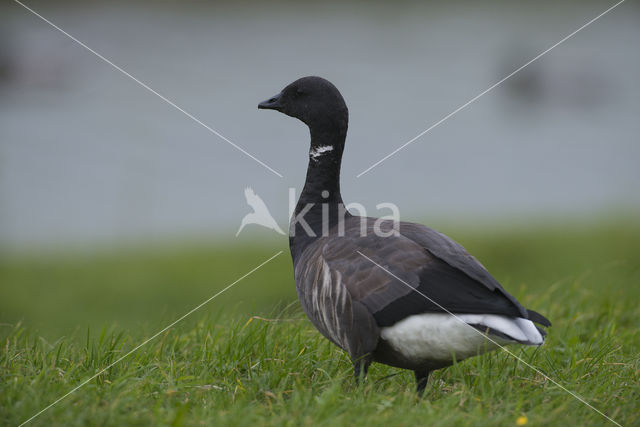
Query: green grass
239, 361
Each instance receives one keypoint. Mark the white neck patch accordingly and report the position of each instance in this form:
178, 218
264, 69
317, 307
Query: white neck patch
319, 151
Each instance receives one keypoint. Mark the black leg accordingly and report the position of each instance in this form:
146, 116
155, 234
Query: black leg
360, 368
421, 381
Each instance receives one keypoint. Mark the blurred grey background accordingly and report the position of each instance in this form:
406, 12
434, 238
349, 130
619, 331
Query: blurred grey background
88, 156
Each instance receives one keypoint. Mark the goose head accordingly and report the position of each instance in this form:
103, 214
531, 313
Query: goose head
313, 100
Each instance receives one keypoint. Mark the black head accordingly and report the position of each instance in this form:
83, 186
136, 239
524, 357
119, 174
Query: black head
313, 100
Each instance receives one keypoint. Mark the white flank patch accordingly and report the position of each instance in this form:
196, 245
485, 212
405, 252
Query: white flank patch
439, 336
319, 151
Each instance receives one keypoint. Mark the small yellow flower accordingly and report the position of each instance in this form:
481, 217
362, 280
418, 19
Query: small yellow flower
522, 420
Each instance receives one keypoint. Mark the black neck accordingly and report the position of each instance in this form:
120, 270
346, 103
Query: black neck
323, 171
322, 185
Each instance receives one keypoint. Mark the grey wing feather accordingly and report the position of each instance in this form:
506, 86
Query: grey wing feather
449, 251
423, 259
456, 256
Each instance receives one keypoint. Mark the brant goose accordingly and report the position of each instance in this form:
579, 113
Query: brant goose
397, 293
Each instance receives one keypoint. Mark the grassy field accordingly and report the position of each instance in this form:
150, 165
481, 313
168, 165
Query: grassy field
250, 357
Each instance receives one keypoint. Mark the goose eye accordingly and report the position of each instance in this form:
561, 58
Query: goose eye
299, 91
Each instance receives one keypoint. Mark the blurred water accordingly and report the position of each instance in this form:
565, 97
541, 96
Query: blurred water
86, 155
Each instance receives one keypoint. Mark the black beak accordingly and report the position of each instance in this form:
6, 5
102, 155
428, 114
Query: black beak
272, 103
